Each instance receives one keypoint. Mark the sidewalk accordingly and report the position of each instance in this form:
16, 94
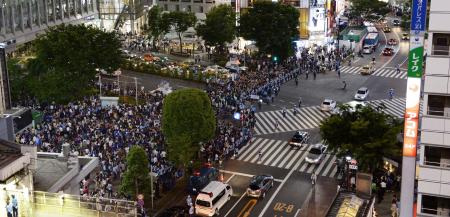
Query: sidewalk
174, 197
319, 199
384, 208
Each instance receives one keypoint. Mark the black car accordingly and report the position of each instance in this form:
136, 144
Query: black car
396, 22
299, 138
175, 211
201, 178
259, 185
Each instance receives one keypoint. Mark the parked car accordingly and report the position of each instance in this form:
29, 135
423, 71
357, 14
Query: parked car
259, 185
388, 51
362, 94
201, 178
327, 105
367, 69
392, 41
316, 154
299, 139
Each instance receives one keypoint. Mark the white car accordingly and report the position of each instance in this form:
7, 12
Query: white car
316, 153
367, 50
362, 94
328, 105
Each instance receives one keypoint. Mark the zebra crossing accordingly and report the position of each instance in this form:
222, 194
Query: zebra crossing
311, 117
277, 153
382, 72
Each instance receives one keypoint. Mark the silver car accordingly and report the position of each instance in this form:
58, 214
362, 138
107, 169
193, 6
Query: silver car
316, 153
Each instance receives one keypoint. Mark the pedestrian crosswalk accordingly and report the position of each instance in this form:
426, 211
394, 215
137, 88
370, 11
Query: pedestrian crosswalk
311, 117
382, 72
306, 118
277, 153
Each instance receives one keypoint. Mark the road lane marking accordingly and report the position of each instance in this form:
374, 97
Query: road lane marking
278, 189
228, 180
245, 174
245, 212
229, 211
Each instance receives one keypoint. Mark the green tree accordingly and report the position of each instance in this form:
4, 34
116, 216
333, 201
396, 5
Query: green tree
367, 133
157, 24
368, 9
180, 21
219, 26
68, 56
272, 26
136, 179
18, 79
188, 119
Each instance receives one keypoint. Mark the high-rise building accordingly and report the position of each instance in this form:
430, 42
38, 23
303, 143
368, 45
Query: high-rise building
21, 20
433, 191
199, 7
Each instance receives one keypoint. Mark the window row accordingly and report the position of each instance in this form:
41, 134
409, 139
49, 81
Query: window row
30, 12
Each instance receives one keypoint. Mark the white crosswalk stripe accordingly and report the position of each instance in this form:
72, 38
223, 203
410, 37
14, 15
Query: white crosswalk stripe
277, 153
306, 118
311, 117
383, 72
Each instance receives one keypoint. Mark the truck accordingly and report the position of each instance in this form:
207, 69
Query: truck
371, 40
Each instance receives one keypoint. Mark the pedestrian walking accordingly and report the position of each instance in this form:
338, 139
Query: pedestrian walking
9, 209
345, 85
299, 102
397, 68
259, 155
313, 178
284, 112
276, 124
296, 81
339, 73
189, 201
15, 206
391, 93
314, 74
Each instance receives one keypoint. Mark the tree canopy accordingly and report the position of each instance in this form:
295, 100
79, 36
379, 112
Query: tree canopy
368, 9
66, 59
219, 26
367, 134
188, 119
180, 21
136, 178
157, 24
272, 26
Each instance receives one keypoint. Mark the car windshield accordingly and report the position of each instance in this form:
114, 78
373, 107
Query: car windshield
254, 187
326, 103
361, 92
203, 203
315, 151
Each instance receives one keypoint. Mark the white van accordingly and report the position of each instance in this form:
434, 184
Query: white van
212, 198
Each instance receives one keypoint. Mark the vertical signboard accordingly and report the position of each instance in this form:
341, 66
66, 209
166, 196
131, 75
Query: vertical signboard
412, 108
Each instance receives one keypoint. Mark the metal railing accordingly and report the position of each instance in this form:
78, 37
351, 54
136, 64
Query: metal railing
436, 164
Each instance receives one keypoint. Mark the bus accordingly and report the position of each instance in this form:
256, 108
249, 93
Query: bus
370, 43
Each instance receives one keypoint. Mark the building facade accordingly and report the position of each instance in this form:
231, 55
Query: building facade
21, 20
433, 174
199, 7
123, 15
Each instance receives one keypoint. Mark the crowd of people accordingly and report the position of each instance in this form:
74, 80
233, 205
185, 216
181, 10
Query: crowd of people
109, 132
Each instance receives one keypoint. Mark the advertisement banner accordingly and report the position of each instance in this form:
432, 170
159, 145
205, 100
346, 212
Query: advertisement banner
411, 116
317, 20
418, 15
415, 56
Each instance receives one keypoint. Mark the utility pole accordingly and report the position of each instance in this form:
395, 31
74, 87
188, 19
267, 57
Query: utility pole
136, 86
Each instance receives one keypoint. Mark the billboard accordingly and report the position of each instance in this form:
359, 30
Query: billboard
317, 20
303, 23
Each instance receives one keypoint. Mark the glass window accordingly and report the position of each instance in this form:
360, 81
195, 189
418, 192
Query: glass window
50, 10
18, 17
441, 44
436, 105
34, 12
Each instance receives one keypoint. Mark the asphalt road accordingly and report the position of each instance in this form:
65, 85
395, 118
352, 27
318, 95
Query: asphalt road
293, 192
